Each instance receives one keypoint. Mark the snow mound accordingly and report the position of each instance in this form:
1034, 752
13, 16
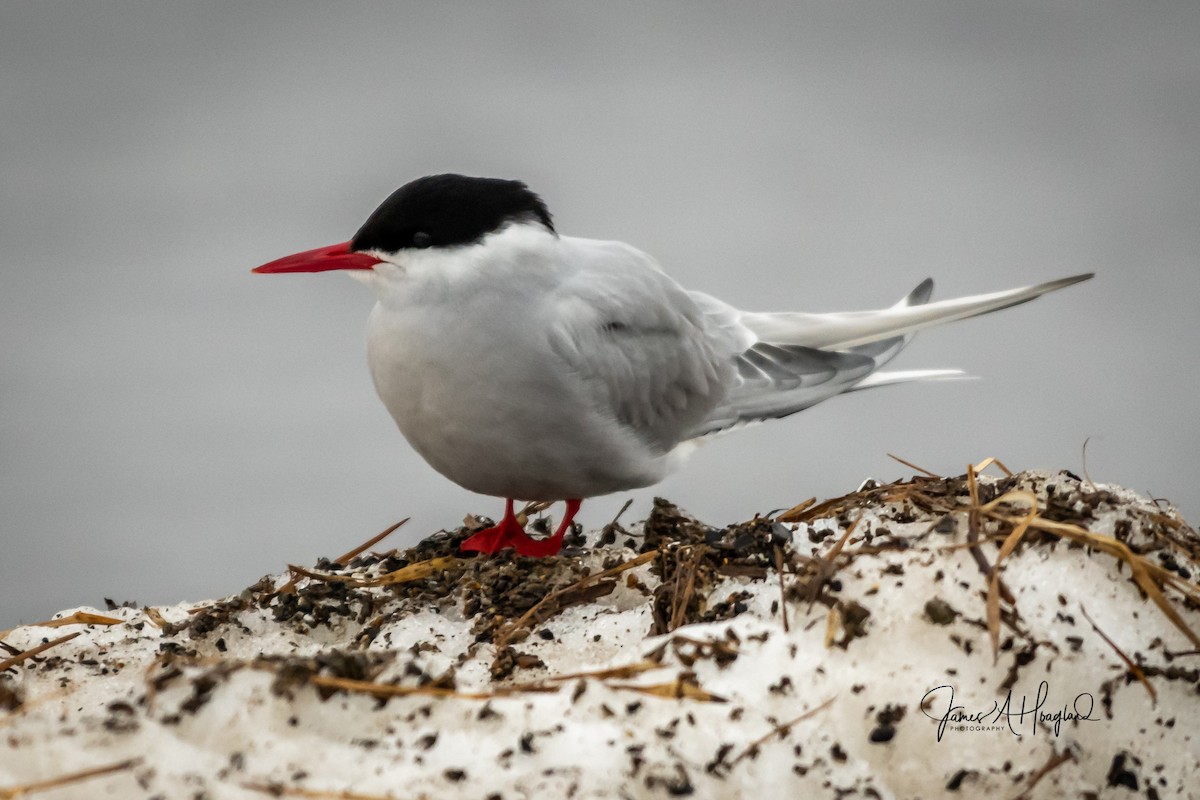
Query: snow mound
1029, 635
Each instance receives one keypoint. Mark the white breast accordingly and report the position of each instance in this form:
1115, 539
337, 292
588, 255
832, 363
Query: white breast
460, 352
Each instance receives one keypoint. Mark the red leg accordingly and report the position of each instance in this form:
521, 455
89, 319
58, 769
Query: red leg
540, 548
492, 540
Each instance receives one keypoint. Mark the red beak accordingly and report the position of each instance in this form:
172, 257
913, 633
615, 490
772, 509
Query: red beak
334, 256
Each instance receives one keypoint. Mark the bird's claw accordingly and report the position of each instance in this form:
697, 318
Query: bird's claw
538, 548
509, 533
493, 540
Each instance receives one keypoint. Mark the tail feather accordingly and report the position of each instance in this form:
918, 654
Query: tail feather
847, 329
884, 350
877, 379
795, 360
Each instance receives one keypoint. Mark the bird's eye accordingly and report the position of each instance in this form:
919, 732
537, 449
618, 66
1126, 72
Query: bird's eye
422, 239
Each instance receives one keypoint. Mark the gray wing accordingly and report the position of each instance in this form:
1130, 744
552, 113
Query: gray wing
647, 354
776, 380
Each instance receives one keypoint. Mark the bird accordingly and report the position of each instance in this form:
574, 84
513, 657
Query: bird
526, 364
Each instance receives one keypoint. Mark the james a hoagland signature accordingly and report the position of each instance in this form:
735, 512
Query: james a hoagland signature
938, 704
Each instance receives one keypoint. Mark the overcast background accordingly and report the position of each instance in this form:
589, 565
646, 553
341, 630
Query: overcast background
173, 427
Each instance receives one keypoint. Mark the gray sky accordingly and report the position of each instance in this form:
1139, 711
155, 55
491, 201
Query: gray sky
173, 427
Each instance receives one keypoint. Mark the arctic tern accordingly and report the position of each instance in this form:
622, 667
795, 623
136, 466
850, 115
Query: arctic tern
521, 363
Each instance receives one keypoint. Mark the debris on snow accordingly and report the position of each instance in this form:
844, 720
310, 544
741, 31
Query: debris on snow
1031, 635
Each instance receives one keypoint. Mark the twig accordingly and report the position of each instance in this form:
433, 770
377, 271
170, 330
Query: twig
782, 587
911, 465
973, 528
1083, 458
624, 671
155, 616
794, 513
344, 559
1056, 760
624, 508
33, 651
551, 684
1145, 573
390, 690
413, 572
1010, 544
12, 792
780, 730
502, 639
832, 620
987, 462
532, 507
678, 689
290, 586
78, 618
275, 790
825, 567
680, 600
1129, 663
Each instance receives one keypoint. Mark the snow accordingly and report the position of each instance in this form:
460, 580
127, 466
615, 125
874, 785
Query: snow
263, 693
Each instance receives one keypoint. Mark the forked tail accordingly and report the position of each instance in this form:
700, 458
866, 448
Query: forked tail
795, 360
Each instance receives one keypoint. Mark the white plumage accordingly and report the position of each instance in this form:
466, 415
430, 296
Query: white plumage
545, 367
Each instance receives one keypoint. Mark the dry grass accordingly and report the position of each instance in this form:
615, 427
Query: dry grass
78, 618
779, 730
33, 651
407, 574
24, 790
1150, 577
553, 602
278, 790
1133, 668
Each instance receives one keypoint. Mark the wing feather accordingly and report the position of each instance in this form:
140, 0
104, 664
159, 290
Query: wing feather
641, 345
794, 360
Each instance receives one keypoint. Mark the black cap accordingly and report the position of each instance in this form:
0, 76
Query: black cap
448, 210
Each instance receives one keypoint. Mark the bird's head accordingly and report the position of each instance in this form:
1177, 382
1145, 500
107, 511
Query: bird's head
434, 213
